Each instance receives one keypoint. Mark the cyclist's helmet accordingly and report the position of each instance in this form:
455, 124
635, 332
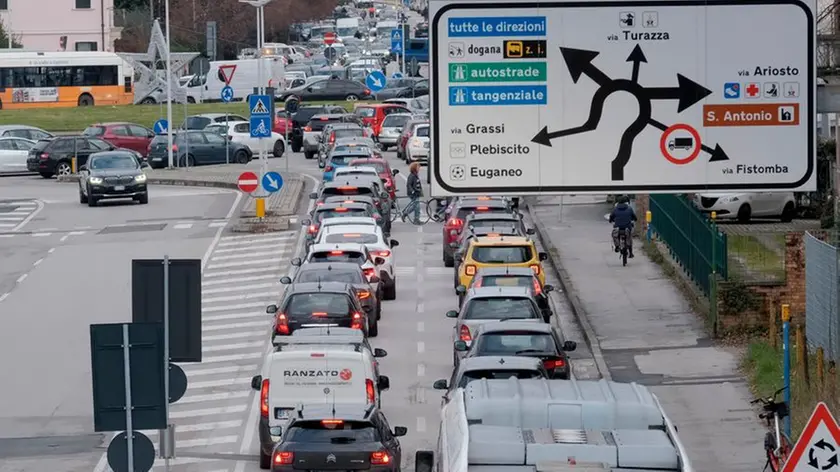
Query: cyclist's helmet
624, 199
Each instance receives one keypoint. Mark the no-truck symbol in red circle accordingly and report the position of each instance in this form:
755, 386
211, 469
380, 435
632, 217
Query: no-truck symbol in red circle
693, 143
346, 374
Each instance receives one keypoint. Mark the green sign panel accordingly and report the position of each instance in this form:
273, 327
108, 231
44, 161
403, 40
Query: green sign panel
497, 72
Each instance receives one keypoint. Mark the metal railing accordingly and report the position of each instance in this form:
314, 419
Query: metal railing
822, 295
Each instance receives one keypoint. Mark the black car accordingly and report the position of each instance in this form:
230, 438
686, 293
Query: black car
421, 30
342, 272
112, 174
54, 156
339, 437
319, 303
192, 148
302, 117
332, 89
419, 88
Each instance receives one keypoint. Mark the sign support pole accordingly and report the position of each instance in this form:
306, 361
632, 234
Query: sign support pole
168, 89
786, 361
402, 38
129, 428
168, 430
227, 143
286, 149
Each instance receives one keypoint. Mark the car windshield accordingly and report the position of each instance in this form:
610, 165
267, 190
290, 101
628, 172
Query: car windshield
113, 162
395, 121
471, 375
502, 254
318, 302
349, 148
361, 238
380, 167
507, 281
318, 432
341, 160
464, 211
338, 256
347, 190
196, 122
318, 124
349, 133
341, 213
94, 131
512, 342
331, 275
497, 308
365, 112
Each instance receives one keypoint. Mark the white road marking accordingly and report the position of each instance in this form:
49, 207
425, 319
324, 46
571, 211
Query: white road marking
183, 226
52, 250
213, 397
246, 381
223, 273
239, 280
420, 307
238, 316
40, 206
239, 306
218, 370
267, 260
76, 233
40, 235
10, 218
7, 225
241, 288
232, 357
421, 369
245, 335
233, 347
228, 257
188, 443
218, 224
248, 324
189, 428
421, 326
35, 264
208, 412
421, 347
251, 247
22, 278
242, 237
4, 296
421, 424
7, 235
230, 298
64, 238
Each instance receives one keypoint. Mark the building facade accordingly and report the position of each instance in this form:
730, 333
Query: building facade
60, 25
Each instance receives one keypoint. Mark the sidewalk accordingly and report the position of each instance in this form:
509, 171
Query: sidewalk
642, 330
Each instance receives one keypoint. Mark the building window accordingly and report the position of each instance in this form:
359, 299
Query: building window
4, 5
86, 46
82, 4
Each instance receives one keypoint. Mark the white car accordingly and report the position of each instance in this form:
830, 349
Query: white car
345, 252
345, 221
375, 242
743, 206
417, 148
355, 170
13, 154
240, 132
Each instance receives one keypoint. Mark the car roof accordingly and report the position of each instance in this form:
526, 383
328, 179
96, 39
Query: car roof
328, 116
7, 138
352, 229
499, 292
378, 105
211, 115
495, 362
329, 266
330, 331
357, 170
475, 203
349, 220
354, 139
343, 411
477, 217
115, 123
506, 270
502, 229
369, 160
348, 198
501, 240
358, 180
9, 127
321, 247
355, 151
345, 126
334, 205
515, 325
314, 287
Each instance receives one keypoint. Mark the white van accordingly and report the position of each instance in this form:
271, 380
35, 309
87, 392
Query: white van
245, 78
333, 374
346, 28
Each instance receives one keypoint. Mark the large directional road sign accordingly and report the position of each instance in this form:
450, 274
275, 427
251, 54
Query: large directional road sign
260, 106
376, 80
161, 126
550, 125
272, 181
248, 182
396, 41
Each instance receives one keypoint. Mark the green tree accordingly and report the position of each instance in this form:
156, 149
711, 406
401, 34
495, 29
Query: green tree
4, 38
130, 4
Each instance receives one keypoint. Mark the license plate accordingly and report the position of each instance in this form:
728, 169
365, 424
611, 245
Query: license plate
119, 188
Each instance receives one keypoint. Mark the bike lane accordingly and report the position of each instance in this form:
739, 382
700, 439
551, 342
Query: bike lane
643, 330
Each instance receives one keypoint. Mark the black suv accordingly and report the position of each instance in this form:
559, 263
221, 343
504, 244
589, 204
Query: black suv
319, 303
302, 117
338, 437
52, 156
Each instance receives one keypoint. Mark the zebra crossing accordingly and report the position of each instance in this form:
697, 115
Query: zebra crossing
241, 277
14, 214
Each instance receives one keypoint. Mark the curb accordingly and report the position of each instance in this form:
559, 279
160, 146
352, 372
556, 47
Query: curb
571, 295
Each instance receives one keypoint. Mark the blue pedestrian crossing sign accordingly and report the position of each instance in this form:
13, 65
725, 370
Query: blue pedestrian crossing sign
375, 81
272, 181
227, 93
397, 75
260, 106
161, 126
396, 41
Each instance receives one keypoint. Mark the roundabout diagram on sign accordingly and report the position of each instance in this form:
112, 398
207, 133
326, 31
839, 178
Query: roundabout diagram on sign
680, 144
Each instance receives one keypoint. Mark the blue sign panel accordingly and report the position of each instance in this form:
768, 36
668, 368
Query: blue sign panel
498, 95
397, 75
272, 181
161, 126
396, 41
227, 93
497, 26
375, 81
260, 126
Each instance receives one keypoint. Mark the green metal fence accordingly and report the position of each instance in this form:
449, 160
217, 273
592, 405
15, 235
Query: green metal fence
693, 240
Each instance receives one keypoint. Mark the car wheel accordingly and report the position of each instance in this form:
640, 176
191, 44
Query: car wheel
82, 197
279, 148
448, 261
308, 155
63, 168
384, 147
391, 290
744, 213
241, 157
190, 100
378, 311
46, 175
143, 199
788, 213
265, 461
91, 201
187, 161
148, 101
373, 329
351, 97
85, 100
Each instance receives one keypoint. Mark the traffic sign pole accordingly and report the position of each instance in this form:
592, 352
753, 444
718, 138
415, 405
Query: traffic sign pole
129, 429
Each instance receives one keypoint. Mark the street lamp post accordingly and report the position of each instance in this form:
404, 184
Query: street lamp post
169, 123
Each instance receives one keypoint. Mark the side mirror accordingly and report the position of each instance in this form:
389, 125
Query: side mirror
296, 262
384, 382
286, 280
367, 308
452, 314
81, 168
460, 290
461, 346
271, 309
394, 243
256, 382
440, 385
313, 195
306, 221
569, 346
377, 352
543, 256
530, 231
395, 172
378, 261
400, 431
548, 288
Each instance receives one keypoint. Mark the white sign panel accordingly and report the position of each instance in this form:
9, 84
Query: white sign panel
35, 95
577, 97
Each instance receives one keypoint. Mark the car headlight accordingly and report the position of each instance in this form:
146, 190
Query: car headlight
730, 199
140, 178
95, 180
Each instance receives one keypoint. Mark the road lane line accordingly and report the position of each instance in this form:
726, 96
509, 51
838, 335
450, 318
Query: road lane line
248, 324
214, 397
207, 412
233, 298
245, 381
22, 278
254, 278
190, 428
236, 316
421, 424
222, 273
233, 347
211, 441
240, 288
39, 235
420, 307
35, 264
64, 238
4, 296
266, 261
246, 237
421, 347
40, 206
421, 370
238, 306
232, 357
10, 218
257, 254
251, 247
217, 370
52, 250
246, 334
421, 326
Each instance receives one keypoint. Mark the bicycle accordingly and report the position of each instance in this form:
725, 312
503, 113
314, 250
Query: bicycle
777, 445
435, 210
408, 211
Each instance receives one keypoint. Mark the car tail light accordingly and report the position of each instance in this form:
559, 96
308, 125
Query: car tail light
380, 458
464, 334
349, 188
342, 210
307, 129
174, 148
336, 253
284, 458
483, 198
357, 321
456, 222
382, 253
535, 268
470, 270
282, 324
332, 422
324, 118
313, 229
264, 398
367, 92
319, 313
482, 208
363, 294
537, 287
370, 391
44, 156
329, 168
332, 137
369, 272
552, 364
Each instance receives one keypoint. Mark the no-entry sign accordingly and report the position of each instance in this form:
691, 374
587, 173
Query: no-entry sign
248, 182
329, 38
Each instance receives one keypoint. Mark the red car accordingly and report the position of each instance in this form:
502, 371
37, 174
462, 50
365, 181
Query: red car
373, 115
385, 172
124, 135
282, 123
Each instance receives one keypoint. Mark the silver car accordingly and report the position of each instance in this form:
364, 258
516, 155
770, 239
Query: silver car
490, 367
313, 130
392, 127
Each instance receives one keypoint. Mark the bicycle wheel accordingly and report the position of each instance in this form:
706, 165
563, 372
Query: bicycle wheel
434, 210
397, 208
775, 459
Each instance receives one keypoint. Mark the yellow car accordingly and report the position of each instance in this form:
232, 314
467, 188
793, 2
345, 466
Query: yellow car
500, 251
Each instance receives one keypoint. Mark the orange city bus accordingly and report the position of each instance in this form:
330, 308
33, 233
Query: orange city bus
64, 79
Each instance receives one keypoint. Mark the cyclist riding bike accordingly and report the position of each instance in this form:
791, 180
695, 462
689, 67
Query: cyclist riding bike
622, 218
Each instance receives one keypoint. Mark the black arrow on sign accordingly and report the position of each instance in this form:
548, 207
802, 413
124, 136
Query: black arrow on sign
688, 92
824, 445
812, 459
636, 57
717, 153
579, 61
832, 463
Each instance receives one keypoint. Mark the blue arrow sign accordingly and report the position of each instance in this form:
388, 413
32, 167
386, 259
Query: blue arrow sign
161, 126
227, 93
272, 181
396, 41
375, 81
397, 75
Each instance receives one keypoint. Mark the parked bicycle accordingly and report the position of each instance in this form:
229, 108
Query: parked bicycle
777, 445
